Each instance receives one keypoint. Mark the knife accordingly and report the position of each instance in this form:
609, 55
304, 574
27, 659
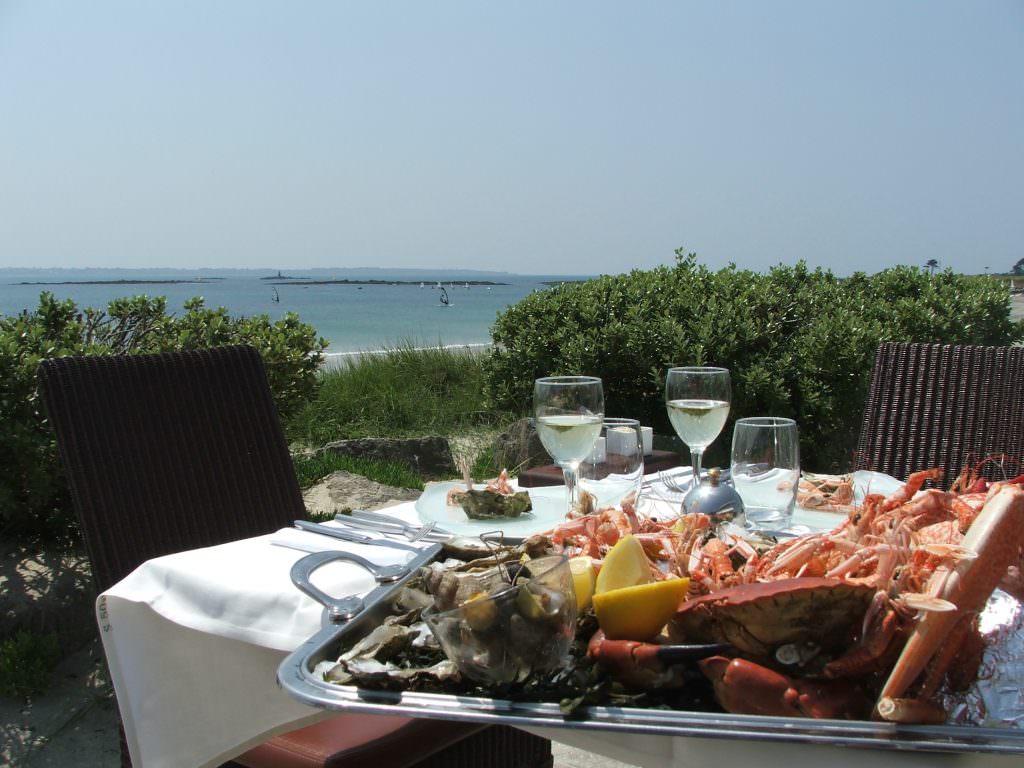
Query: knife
391, 530
352, 536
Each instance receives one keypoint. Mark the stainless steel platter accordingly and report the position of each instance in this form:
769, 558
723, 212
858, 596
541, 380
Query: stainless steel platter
297, 677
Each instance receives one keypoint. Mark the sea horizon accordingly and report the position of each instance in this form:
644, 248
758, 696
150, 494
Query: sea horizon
358, 310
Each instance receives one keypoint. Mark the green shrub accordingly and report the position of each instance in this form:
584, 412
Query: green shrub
34, 503
26, 663
799, 343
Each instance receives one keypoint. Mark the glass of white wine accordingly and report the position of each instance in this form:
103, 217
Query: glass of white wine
697, 399
569, 413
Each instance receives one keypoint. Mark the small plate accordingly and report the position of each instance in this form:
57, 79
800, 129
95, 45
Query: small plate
549, 508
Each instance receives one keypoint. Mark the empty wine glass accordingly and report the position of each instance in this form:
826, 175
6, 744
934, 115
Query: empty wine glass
614, 469
697, 399
569, 412
766, 469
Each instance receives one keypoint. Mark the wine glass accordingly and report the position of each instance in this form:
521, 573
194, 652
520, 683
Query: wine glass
569, 412
614, 469
697, 399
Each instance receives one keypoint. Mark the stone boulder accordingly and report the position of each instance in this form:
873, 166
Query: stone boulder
430, 456
520, 448
344, 490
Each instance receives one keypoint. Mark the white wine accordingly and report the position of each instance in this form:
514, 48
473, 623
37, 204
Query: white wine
698, 422
569, 438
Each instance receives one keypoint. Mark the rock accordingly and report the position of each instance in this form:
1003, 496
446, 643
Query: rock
520, 448
341, 490
430, 456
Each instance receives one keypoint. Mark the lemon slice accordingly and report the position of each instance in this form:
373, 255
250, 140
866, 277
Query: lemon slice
583, 579
639, 612
625, 565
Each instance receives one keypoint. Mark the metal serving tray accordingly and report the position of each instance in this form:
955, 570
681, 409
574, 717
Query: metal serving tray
295, 675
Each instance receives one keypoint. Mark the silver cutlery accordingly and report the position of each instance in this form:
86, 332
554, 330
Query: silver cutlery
377, 522
352, 536
675, 482
681, 480
412, 534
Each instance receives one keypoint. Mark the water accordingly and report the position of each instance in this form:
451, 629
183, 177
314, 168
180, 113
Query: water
352, 318
768, 497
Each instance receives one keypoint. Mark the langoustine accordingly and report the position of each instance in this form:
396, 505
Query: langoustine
928, 559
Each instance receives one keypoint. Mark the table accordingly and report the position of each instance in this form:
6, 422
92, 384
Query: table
194, 641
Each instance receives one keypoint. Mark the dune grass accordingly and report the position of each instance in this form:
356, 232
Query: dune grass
313, 469
404, 392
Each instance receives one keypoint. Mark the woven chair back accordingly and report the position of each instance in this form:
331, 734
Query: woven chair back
934, 405
169, 452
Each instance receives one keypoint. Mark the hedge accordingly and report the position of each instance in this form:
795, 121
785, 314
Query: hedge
34, 502
798, 342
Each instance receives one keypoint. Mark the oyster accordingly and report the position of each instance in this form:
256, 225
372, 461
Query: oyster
490, 505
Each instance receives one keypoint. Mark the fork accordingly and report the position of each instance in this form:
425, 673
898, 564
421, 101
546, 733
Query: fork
675, 482
396, 528
352, 536
386, 523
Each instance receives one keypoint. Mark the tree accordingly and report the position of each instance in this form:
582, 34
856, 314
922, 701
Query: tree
1018, 268
931, 265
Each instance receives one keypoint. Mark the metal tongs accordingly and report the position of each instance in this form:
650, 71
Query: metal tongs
389, 578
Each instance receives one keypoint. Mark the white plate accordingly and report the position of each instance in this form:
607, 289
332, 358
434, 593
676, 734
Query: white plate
549, 506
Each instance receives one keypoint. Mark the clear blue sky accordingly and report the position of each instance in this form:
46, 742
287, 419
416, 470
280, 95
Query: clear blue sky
543, 136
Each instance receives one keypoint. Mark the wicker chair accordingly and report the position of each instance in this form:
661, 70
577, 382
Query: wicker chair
933, 405
176, 451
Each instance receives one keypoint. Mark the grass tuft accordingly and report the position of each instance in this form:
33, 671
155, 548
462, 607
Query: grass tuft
26, 663
404, 392
313, 469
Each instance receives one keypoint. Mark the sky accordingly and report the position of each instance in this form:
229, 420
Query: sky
537, 136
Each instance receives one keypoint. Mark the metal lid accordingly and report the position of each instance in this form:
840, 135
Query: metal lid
716, 499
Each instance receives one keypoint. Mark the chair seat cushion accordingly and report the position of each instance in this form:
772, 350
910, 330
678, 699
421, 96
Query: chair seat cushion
358, 741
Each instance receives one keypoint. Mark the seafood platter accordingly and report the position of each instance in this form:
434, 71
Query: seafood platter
900, 627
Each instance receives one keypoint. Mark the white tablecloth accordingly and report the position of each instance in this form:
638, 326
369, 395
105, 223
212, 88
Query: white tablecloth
194, 641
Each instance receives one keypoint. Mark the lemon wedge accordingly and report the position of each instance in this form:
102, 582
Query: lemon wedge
625, 565
583, 580
639, 612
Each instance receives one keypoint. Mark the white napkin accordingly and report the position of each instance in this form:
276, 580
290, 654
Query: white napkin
243, 590
194, 640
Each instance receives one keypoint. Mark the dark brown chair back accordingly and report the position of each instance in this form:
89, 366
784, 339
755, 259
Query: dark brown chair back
934, 405
169, 452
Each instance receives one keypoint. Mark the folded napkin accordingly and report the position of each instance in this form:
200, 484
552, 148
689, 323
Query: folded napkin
243, 590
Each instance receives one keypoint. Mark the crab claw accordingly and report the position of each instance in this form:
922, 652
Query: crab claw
745, 688
647, 665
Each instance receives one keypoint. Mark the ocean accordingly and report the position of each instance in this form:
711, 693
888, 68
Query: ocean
353, 317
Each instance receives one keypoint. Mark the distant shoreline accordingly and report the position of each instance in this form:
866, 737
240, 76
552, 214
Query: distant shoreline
346, 281
194, 281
